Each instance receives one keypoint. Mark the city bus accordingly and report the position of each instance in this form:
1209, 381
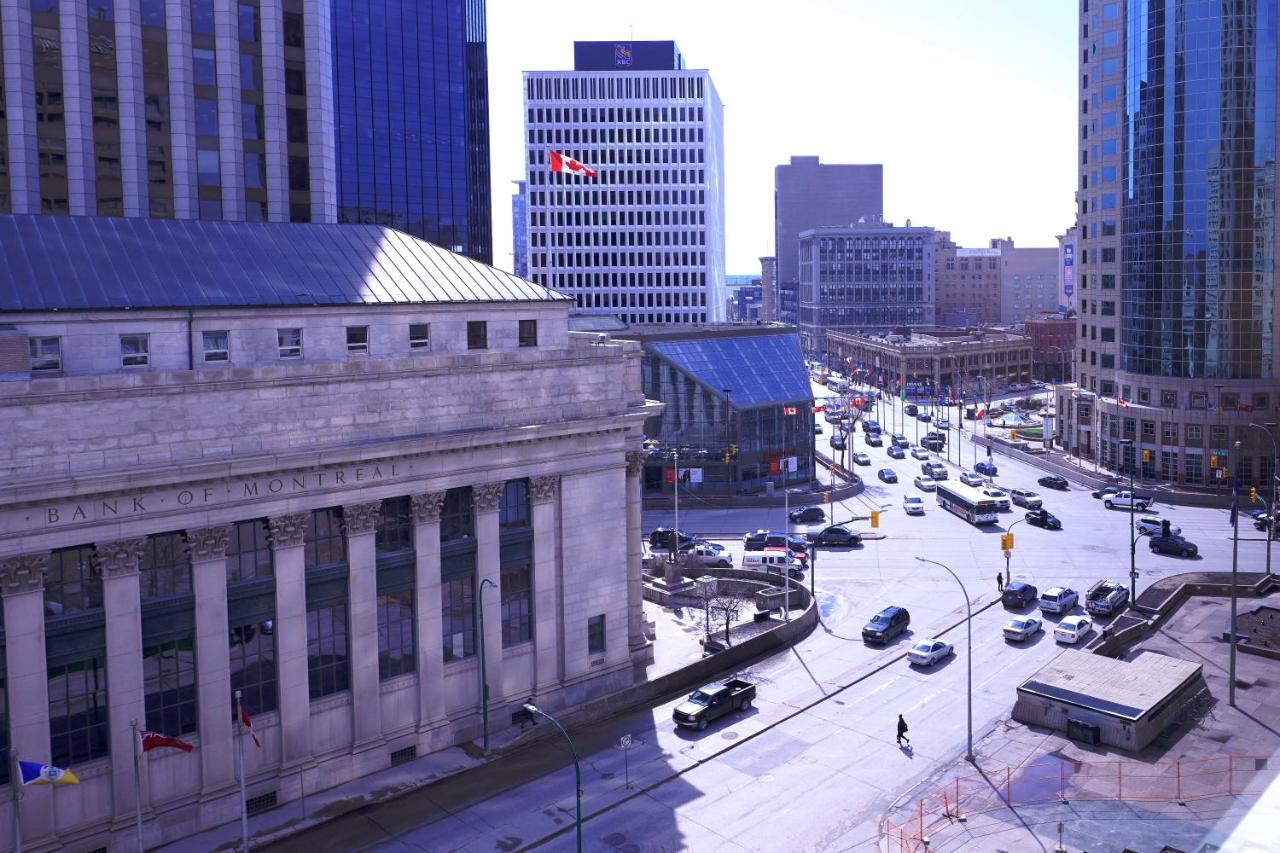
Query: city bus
967, 502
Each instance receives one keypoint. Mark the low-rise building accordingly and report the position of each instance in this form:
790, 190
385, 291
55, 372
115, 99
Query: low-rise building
967, 284
977, 360
1053, 341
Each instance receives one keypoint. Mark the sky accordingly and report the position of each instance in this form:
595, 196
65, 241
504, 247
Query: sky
969, 104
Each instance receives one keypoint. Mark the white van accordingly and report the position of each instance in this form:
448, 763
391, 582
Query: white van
771, 560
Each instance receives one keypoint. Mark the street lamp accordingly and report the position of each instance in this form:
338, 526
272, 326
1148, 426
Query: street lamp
1133, 539
484, 679
577, 769
708, 583
1009, 554
968, 623
1269, 530
1233, 467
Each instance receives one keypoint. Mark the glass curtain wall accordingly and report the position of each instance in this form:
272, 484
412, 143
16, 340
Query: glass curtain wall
155, 94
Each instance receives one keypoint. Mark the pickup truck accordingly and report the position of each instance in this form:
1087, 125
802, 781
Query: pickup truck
1127, 500
713, 701
1105, 598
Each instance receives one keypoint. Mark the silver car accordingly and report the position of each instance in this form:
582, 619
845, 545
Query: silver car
1022, 628
971, 479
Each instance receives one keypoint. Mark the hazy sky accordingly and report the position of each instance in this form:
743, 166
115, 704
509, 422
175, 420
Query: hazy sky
969, 104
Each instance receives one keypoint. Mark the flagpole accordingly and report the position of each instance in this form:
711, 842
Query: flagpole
1235, 561
15, 781
244, 803
137, 784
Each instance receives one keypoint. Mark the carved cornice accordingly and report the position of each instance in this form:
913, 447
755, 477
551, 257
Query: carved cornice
361, 518
287, 531
635, 463
426, 507
486, 497
24, 573
208, 543
543, 489
120, 557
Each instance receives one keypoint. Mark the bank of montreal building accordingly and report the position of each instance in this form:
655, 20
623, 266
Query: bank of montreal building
284, 459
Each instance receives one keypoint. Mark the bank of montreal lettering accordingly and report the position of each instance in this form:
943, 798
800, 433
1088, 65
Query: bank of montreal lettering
204, 496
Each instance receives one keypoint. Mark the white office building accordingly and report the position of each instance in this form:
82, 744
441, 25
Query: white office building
643, 239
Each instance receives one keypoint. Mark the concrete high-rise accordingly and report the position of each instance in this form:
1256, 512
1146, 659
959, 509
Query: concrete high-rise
809, 194
643, 240
1175, 255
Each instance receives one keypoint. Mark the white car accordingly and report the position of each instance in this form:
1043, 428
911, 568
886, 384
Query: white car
919, 453
1026, 498
861, 459
1151, 525
1022, 628
929, 652
1073, 629
1001, 499
926, 484
913, 504
971, 479
708, 554
942, 423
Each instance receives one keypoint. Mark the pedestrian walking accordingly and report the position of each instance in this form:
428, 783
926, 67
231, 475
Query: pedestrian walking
999, 581
902, 731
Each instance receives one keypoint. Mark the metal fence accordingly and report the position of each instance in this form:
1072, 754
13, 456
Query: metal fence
1054, 779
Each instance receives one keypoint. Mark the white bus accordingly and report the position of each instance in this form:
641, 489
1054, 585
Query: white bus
967, 502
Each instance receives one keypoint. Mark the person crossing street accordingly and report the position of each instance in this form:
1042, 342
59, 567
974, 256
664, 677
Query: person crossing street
902, 731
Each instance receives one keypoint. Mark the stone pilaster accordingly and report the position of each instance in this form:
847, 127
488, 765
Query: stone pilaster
213, 656
133, 125
636, 639
20, 112
549, 666
77, 100
230, 117
287, 532
122, 605
362, 599
426, 602
489, 595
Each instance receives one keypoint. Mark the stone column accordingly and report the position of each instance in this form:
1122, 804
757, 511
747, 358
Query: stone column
77, 117
488, 568
287, 532
362, 599
636, 639
122, 605
133, 123
427, 616
545, 494
22, 584
213, 657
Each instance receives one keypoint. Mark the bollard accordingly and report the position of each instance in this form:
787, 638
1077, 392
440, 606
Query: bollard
1177, 767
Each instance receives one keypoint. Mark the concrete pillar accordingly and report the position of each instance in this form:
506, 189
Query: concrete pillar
548, 668
361, 521
20, 113
322, 152
132, 104
22, 584
636, 640
213, 658
287, 532
122, 606
182, 109
226, 29
427, 616
77, 117
273, 110
488, 568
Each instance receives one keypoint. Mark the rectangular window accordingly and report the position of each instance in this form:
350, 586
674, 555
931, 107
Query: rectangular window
208, 170
324, 544
358, 340
517, 606
395, 633
215, 345
595, 634
253, 666
528, 333
290, 341
477, 334
457, 521
1199, 400
1169, 433
1217, 434
78, 712
205, 66
395, 526
1108, 309
1169, 399
328, 669
165, 567
249, 551
73, 583
457, 610
169, 683
46, 354
1195, 433
1144, 396
1260, 402
420, 336
1148, 429
513, 512
134, 350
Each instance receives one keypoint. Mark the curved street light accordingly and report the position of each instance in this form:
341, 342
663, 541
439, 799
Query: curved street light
484, 678
968, 622
532, 709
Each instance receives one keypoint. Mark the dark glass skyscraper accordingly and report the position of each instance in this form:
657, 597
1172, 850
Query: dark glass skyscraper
412, 119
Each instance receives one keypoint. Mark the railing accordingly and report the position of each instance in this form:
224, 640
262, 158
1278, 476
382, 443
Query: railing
1063, 780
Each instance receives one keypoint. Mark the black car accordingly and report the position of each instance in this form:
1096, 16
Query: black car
1105, 491
1043, 518
932, 443
887, 475
924, 417
910, 408
1172, 545
837, 442
1053, 481
873, 439
1019, 594
806, 514
886, 625
754, 541
837, 535
797, 545
896, 452
660, 539
870, 426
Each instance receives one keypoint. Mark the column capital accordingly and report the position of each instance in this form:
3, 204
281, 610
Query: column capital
120, 557
361, 518
427, 506
544, 489
486, 497
24, 573
287, 531
635, 462
208, 543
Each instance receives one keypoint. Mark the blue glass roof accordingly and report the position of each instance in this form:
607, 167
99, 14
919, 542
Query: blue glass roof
759, 370
68, 263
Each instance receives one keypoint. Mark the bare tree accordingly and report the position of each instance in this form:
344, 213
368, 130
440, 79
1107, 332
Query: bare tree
726, 606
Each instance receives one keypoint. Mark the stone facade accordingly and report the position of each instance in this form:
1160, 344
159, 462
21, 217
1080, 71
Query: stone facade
979, 361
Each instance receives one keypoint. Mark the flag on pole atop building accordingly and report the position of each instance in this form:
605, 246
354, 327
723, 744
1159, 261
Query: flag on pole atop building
35, 773
248, 724
155, 740
562, 163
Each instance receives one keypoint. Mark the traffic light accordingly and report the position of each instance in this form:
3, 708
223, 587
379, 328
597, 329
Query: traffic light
1146, 456
826, 497
1006, 541
875, 518
1013, 435
726, 457
733, 450
1213, 462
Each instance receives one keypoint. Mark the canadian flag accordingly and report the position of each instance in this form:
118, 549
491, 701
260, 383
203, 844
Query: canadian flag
248, 724
1124, 404
981, 411
789, 410
818, 409
561, 163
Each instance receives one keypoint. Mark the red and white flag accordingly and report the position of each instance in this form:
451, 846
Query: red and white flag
818, 409
562, 163
155, 740
981, 412
1124, 404
248, 724
789, 410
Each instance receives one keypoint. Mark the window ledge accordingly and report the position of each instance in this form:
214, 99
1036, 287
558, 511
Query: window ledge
328, 703
399, 682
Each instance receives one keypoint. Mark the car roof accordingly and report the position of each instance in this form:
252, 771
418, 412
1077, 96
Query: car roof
1054, 590
1016, 585
890, 610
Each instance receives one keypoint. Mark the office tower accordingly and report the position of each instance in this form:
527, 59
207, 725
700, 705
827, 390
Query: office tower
520, 229
1028, 280
644, 238
967, 283
809, 194
769, 289
1175, 256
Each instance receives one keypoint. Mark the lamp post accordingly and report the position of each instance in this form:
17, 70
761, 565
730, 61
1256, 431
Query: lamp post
484, 678
1269, 530
1009, 554
1233, 467
968, 624
1133, 539
577, 769
1217, 404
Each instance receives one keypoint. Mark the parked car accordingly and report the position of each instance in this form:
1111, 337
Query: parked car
901, 440
1018, 594
912, 504
1001, 499
986, 468
1172, 545
754, 541
896, 452
1105, 491
837, 442
886, 625
919, 453
971, 479
929, 652
1154, 525
1058, 599
873, 439
713, 701
661, 537
1105, 598
1073, 629
1043, 518
711, 555
1026, 498
926, 484
861, 459
1127, 500
807, 514
836, 534
1053, 481
1022, 628
791, 541
887, 475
